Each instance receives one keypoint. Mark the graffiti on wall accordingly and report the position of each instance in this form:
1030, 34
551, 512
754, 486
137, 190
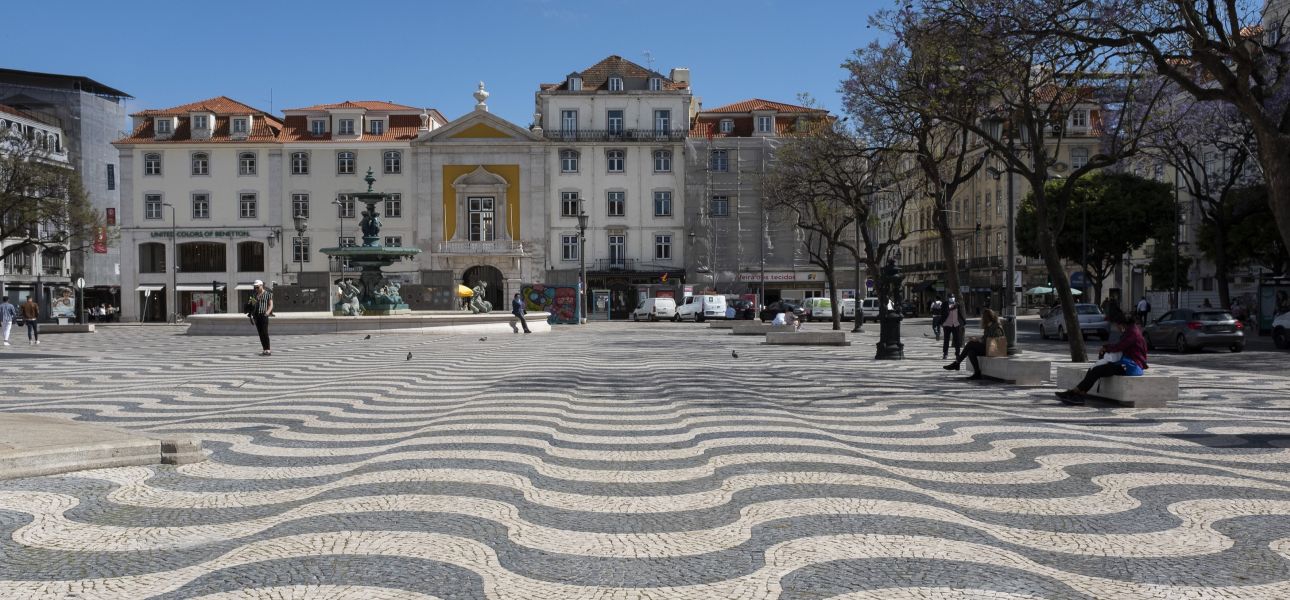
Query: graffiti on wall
560, 301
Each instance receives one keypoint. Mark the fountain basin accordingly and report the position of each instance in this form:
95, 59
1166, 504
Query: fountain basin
315, 323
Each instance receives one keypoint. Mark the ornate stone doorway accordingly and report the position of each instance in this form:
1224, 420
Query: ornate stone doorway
496, 284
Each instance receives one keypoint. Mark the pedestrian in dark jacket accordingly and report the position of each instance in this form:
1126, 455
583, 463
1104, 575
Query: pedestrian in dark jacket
1133, 360
259, 307
953, 318
517, 309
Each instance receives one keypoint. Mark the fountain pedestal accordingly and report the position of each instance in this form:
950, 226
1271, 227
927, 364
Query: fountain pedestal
374, 295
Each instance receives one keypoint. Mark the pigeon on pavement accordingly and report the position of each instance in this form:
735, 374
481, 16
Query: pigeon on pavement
484, 339
367, 337
409, 356
734, 354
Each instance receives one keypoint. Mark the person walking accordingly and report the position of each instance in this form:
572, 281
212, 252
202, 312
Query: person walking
1143, 309
517, 309
7, 315
259, 308
30, 316
936, 317
991, 343
952, 320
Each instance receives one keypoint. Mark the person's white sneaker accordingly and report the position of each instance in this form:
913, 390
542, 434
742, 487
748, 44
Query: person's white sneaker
37, 342
7, 343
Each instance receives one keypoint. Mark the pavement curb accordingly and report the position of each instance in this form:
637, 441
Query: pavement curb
30, 447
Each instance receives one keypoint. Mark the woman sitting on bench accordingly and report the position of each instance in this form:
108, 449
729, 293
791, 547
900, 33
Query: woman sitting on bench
1133, 359
992, 338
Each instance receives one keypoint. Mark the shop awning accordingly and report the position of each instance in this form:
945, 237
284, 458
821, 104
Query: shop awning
245, 286
150, 288
188, 287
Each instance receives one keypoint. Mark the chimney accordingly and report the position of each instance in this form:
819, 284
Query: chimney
680, 75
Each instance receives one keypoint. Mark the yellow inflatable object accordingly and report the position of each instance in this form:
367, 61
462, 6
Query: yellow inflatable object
464, 292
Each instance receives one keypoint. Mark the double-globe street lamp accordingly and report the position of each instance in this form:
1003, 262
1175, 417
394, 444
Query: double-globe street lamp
995, 126
298, 248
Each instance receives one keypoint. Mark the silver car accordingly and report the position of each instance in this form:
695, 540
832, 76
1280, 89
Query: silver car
1187, 329
1091, 322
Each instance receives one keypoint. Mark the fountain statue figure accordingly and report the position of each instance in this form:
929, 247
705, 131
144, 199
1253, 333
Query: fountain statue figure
374, 294
477, 302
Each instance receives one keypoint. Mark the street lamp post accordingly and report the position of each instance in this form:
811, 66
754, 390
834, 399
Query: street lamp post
1010, 298
302, 224
858, 317
581, 313
174, 267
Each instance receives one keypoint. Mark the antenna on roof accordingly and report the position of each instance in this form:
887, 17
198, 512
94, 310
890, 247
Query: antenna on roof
270, 100
649, 60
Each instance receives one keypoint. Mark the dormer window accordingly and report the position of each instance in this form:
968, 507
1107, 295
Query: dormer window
201, 122
655, 84
615, 84
727, 125
377, 127
575, 84
346, 126
765, 124
317, 127
240, 126
163, 126
1079, 118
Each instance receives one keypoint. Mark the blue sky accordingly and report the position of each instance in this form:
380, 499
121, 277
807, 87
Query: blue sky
431, 53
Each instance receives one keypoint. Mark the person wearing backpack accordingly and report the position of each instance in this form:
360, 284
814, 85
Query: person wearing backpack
1143, 309
937, 318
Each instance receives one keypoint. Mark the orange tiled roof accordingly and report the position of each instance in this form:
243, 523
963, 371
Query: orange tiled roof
596, 77
378, 105
219, 105
743, 127
400, 127
752, 104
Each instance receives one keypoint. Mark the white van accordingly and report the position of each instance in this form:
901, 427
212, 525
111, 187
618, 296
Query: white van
700, 307
818, 309
870, 307
654, 309
849, 309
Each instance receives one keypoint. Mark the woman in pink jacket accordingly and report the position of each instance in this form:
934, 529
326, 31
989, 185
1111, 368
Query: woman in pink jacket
1133, 359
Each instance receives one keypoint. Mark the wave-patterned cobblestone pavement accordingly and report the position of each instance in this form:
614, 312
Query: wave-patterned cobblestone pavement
634, 462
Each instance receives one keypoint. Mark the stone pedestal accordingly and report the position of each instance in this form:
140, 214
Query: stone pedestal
889, 345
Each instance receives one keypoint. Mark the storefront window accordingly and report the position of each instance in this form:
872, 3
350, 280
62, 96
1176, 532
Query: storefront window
201, 257
250, 257
152, 258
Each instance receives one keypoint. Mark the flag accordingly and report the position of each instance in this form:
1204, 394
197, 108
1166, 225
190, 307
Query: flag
663, 279
100, 240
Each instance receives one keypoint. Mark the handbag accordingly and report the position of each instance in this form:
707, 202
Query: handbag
996, 347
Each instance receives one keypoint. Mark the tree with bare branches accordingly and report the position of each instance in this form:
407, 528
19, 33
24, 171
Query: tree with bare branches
42, 203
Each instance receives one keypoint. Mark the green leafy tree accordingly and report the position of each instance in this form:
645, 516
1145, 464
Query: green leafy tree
42, 203
1111, 214
1252, 237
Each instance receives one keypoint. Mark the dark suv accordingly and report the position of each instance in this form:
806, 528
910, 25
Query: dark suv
744, 309
774, 308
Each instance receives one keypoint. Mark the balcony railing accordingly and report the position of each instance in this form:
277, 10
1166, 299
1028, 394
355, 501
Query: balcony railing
611, 135
615, 264
55, 271
489, 247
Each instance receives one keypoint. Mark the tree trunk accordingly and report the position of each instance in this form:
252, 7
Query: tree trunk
1056, 272
1276, 170
1220, 262
942, 224
833, 298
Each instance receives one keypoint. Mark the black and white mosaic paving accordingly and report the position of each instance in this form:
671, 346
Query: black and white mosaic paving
626, 461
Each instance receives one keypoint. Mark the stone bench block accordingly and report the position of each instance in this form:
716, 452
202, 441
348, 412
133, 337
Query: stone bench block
1145, 391
181, 451
725, 324
68, 328
808, 338
1015, 370
751, 329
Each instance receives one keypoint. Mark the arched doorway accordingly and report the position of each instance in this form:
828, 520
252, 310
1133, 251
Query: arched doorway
495, 292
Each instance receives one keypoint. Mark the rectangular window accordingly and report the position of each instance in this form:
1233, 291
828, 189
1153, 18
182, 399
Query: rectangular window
720, 206
614, 122
346, 242
152, 206
393, 162
719, 161
663, 246
344, 207
163, 126
201, 206
765, 124
300, 205
663, 204
377, 127
655, 84
239, 125
998, 202
568, 121
662, 121
346, 126
568, 247
394, 206
201, 164
616, 203
344, 163
394, 241
570, 204
111, 176
1079, 118
480, 218
299, 163
317, 127
246, 206
1079, 156
201, 122
727, 125
246, 163
300, 249
617, 250
615, 84
614, 160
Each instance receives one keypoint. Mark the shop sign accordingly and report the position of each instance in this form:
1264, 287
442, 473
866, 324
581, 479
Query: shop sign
205, 233
756, 276
111, 216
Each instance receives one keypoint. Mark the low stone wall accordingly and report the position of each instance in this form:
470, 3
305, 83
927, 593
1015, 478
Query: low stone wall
319, 322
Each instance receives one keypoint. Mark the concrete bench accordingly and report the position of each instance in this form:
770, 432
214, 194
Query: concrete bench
724, 324
1015, 370
1144, 391
808, 338
68, 328
753, 328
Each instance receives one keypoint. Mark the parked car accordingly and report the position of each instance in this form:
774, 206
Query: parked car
870, 307
701, 307
1281, 330
817, 309
908, 310
768, 314
743, 309
849, 309
1091, 322
655, 309
1187, 329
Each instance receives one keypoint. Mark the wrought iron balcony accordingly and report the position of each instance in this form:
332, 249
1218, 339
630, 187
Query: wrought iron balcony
476, 247
615, 264
611, 135
52, 270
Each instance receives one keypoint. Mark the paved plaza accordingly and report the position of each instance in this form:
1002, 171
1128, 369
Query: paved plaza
634, 461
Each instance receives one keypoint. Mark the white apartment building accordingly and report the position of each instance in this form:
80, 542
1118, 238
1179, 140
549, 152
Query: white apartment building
31, 270
617, 135
202, 181
327, 151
